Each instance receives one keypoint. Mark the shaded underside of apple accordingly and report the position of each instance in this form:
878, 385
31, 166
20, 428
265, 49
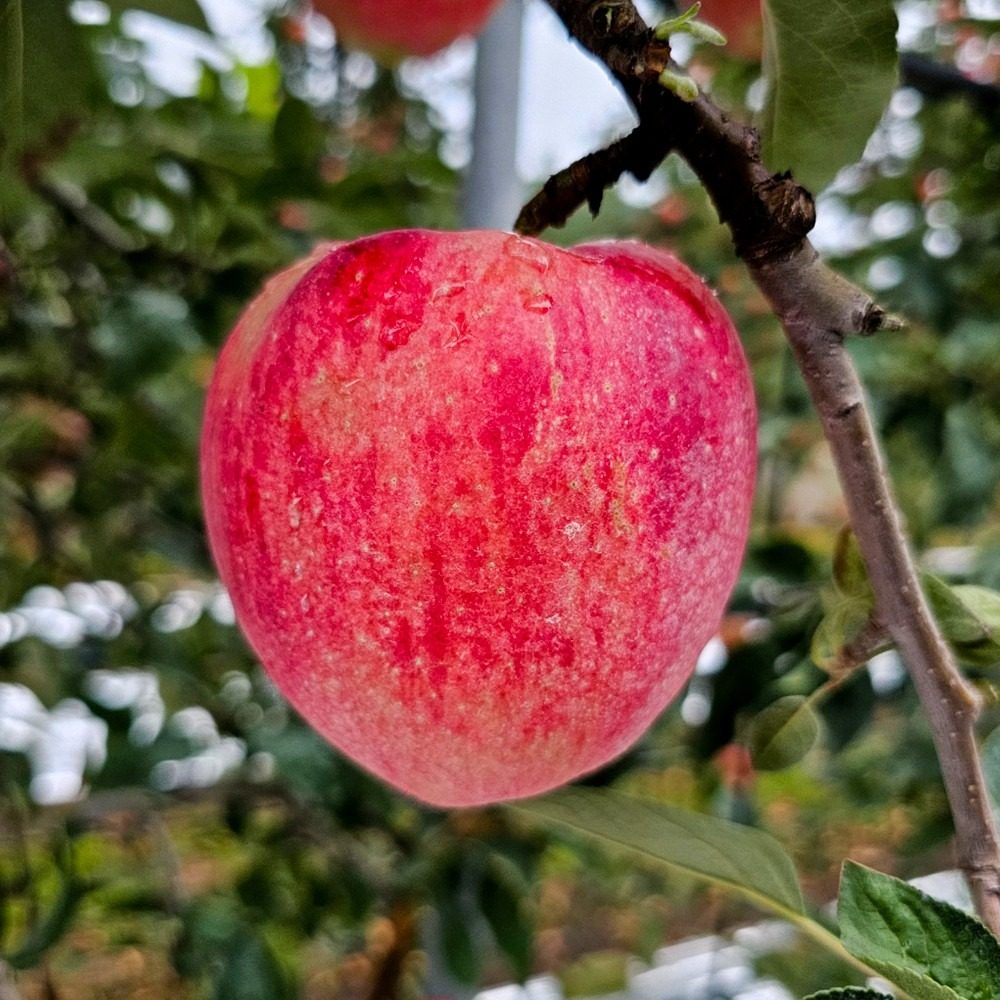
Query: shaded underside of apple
480, 501
394, 28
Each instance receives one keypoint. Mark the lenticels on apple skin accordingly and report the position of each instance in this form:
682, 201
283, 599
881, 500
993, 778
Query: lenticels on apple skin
480, 501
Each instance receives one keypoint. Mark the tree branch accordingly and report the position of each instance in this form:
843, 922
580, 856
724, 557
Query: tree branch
639, 153
770, 216
872, 639
938, 81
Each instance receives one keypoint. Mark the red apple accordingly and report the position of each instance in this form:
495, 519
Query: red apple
741, 21
395, 28
480, 501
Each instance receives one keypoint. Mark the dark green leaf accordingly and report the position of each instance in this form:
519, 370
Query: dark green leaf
969, 617
783, 733
842, 623
972, 453
12, 75
745, 860
55, 75
51, 928
928, 948
849, 572
250, 972
460, 953
846, 711
187, 12
502, 903
457, 920
831, 69
298, 137
207, 927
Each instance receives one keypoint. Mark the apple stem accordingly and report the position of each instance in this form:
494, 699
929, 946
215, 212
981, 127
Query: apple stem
770, 217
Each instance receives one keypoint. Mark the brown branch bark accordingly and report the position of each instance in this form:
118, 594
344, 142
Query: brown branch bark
387, 983
639, 154
872, 639
938, 81
770, 216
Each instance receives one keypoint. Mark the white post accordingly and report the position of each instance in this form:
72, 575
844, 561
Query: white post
493, 192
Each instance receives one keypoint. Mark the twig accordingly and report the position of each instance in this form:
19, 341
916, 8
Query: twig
639, 153
388, 977
938, 81
873, 638
74, 202
770, 216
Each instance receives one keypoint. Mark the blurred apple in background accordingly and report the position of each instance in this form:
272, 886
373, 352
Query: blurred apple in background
392, 29
741, 21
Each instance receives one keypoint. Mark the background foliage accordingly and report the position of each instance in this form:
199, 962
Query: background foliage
216, 847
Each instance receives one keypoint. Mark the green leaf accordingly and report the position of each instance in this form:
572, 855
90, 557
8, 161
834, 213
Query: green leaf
598, 973
969, 616
12, 75
48, 73
990, 753
456, 921
57, 921
928, 948
251, 972
502, 904
748, 861
263, 89
50, 930
972, 454
842, 623
850, 575
849, 993
299, 137
831, 69
460, 953
187, 12
783, 733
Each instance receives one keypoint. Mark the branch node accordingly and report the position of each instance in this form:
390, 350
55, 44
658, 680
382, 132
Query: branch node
609, 18
874, 319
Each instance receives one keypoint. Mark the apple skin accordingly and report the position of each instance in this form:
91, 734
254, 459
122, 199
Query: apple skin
480, 501
395, 28
741, 21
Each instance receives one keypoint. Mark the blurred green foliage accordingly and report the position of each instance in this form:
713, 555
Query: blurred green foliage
221, 849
